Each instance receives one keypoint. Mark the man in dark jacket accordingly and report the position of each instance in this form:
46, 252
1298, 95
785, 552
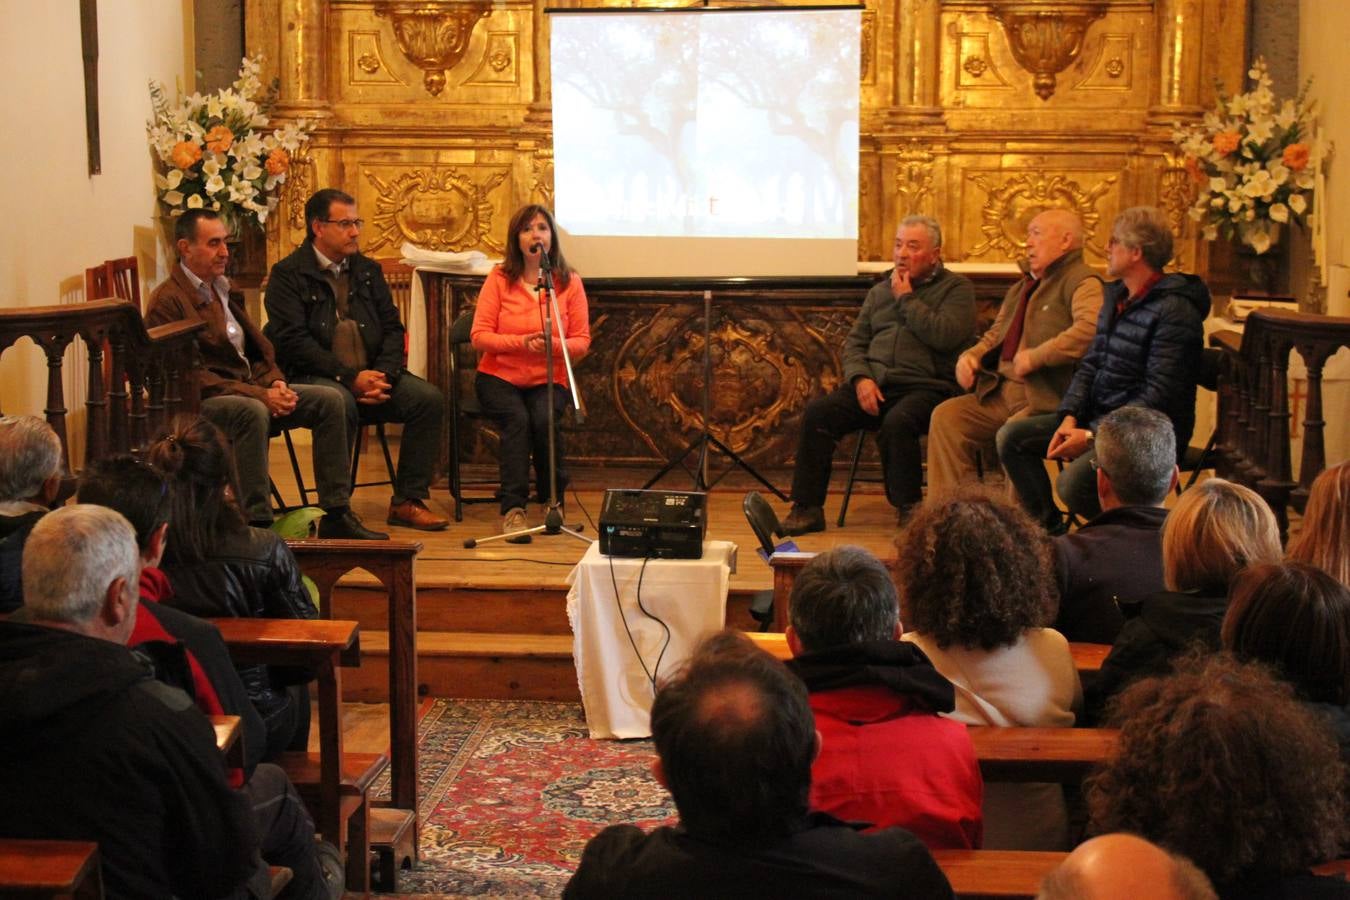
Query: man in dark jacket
1146, 352
31, 460
735, 739
97, 750
334, 323
886, 755
899, 363
243, 392
1117, 557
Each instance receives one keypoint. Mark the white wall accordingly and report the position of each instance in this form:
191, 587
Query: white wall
55, 219
1323, 26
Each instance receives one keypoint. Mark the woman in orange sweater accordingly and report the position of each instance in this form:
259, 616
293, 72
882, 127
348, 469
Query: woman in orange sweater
508, 333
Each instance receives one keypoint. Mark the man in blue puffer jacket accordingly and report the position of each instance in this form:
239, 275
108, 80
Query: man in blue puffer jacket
1146, 353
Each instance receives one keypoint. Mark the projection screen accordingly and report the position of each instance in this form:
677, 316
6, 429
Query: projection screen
707, 142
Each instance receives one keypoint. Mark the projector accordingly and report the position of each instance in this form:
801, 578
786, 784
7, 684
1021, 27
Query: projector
653, 524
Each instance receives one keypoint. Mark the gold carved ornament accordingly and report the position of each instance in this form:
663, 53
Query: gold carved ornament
1046, 37
913, 180
433, 36
541, 176
1013, 203
443, 210
300, 184
749, 368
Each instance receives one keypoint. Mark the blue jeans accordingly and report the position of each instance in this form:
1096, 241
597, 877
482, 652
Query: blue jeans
1021, 449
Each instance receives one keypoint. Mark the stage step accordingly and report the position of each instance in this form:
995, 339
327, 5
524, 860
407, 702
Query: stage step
474, 665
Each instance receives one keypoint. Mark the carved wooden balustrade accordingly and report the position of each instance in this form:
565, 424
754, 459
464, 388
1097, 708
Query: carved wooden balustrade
1254, 413
150, 379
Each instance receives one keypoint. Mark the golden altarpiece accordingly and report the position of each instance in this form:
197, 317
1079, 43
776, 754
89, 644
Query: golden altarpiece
436, 116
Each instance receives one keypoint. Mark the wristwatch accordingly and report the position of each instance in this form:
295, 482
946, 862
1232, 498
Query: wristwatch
1091, 438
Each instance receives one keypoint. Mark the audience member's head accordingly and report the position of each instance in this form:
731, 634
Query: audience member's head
202, 488
1294, 618
1324, 539
974, 571
1125, 867
736, 739
81, 571
1216, 529
842, 596
136, 490
30, 460
1136, 457
1221, 763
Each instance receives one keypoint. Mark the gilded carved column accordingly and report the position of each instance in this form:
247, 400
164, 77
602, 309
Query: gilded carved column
541, 107
917, 64
304, 82
1180, 60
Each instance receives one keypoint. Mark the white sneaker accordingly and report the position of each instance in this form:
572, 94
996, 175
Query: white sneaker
515, 520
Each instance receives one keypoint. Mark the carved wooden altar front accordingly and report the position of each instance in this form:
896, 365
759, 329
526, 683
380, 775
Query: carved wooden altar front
436, 115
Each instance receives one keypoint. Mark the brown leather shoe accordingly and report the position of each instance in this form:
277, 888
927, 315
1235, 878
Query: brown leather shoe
414, 514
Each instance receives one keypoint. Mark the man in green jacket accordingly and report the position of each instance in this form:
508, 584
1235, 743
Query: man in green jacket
899, 363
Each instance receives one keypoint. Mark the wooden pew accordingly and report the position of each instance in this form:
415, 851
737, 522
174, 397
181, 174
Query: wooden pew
50, 869
228, 732
980, 874
1087, 658
394, 827
1061, 755
333, 783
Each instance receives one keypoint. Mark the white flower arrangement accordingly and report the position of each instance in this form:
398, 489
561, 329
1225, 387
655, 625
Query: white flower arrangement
1254, 162
214, 152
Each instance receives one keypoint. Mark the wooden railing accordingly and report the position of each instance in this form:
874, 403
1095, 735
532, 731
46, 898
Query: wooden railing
150, 378
1254, 412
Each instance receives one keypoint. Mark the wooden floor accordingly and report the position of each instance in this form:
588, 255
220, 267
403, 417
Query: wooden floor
546, 562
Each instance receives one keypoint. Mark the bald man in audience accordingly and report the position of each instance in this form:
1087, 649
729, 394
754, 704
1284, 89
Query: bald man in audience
1125, 867
1024, 362
734, 740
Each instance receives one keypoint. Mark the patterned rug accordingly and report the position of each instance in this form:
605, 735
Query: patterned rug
512, 791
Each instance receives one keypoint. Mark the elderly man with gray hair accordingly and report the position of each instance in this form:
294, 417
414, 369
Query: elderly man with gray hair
1118, 554
899, 363
97, 750
30, 477
1146, 352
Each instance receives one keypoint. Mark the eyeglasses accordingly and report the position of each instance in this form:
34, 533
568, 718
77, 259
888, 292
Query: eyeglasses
1096, 465
346, 224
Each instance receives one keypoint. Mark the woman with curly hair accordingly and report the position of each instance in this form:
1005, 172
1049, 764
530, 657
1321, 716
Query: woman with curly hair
218, 565
1216, 529
1324, 539
976, 593
1219, 762
1295, 618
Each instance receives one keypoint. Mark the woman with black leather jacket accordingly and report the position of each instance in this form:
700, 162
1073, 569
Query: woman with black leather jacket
220, 566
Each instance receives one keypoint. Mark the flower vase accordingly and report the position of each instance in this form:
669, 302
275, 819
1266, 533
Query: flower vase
1262, 274
248, 255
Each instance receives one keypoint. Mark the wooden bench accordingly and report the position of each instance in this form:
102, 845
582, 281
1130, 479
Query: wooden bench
228, 732
980, 874
1087, 658
50, 869
333, 783
1061, 755
394, 827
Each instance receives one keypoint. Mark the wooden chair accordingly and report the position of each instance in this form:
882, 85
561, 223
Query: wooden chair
334, 784
464, 406
50, 869
393, 827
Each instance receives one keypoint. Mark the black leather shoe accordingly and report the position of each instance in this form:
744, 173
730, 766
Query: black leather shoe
804, 520
347, 526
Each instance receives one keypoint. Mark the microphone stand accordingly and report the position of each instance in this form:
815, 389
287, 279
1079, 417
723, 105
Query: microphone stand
553, 519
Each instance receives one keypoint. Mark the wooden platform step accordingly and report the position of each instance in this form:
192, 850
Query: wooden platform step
393, 838
472, 665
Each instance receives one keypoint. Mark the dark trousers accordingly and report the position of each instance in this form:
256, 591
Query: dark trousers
286, 832
903, 420
420, 407
521, 417
1021, 449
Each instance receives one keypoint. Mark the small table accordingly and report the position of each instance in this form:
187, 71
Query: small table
689, 595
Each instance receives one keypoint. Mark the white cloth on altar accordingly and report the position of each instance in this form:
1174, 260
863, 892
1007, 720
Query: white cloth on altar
472, 262
689, 595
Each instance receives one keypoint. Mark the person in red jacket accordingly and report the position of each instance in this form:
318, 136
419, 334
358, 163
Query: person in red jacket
512, 384
887, 757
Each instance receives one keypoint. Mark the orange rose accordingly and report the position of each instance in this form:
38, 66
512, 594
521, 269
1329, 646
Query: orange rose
185, 154
1225, 142
219, 139
1193, 167
278, 161
1296, 156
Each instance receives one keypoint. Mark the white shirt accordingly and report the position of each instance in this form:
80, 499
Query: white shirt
219, 290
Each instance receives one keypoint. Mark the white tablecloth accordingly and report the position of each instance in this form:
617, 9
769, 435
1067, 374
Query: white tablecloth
689, 595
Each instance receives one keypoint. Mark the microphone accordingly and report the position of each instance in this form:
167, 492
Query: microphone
536, 247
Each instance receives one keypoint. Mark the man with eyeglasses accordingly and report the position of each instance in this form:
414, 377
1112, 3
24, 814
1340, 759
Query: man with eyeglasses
244, 392
334, 323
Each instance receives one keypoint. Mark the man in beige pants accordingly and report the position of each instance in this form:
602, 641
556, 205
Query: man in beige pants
1023, 363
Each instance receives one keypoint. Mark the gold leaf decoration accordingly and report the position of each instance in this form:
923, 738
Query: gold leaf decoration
436, 209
